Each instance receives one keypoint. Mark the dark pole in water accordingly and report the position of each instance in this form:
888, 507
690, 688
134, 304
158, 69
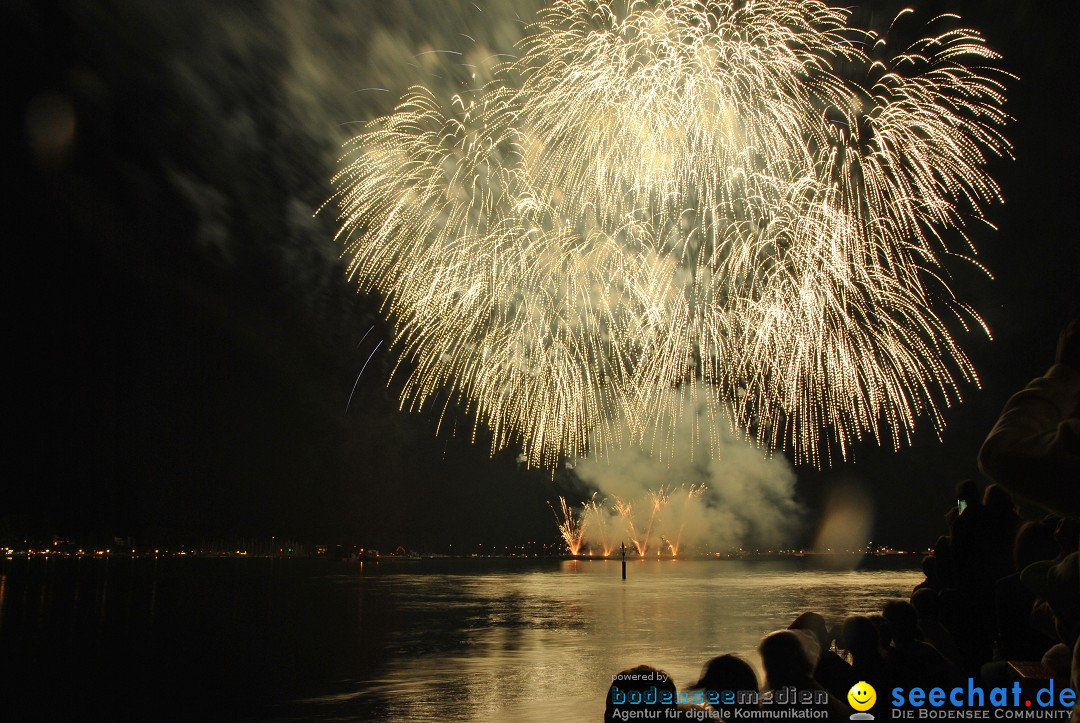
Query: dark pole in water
624, 561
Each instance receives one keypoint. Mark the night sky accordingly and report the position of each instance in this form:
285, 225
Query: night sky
185, 340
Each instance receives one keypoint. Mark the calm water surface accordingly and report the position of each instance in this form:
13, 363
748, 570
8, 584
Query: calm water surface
234, 639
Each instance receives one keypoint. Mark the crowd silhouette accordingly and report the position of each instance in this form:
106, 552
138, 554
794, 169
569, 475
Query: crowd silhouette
999, 605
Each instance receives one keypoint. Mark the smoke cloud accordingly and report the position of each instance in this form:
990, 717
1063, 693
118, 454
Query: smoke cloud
749, 500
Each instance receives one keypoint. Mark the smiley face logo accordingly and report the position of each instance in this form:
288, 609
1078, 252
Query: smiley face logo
862, 696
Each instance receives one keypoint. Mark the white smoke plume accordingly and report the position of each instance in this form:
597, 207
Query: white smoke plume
749, 500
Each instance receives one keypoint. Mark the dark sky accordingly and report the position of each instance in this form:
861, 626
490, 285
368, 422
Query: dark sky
185, 340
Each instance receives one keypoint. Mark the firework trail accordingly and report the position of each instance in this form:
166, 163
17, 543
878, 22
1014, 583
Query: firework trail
570, 527
658, 498
694, 493
641, 535
748, 198
663, 519
625, 510
594, 520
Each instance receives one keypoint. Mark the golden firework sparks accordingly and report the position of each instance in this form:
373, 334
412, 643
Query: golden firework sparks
679, 194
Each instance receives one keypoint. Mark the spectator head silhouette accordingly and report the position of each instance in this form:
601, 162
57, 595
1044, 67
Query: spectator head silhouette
727, 672
861, 638
903, 621
1034, 542
814, 623
968, 492
639, 689
927, 603
996, 499
784, 656
1059, 584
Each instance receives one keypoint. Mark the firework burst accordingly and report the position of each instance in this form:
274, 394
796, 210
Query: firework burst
746, 197
570, 527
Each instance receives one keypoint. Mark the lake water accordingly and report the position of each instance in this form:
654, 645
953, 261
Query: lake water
483, 639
